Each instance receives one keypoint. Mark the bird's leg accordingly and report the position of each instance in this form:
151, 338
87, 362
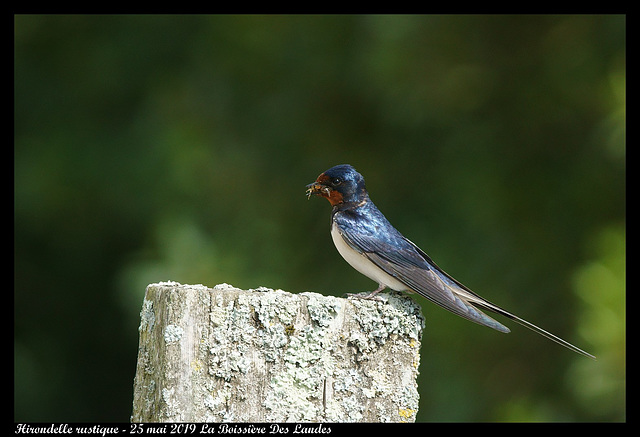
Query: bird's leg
376, 291
372, 295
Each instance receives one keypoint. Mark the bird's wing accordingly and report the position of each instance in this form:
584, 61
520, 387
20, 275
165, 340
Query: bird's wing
402, 259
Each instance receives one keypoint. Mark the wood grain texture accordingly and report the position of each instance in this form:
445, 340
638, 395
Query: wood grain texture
228, 355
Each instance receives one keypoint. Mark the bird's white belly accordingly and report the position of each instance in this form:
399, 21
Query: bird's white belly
362, 264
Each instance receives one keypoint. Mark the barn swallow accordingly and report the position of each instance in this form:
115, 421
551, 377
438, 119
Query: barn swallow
372, 246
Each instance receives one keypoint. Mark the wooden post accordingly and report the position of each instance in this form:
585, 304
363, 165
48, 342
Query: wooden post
231, 355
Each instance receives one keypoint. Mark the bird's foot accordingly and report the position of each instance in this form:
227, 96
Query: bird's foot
371, 296
365, 297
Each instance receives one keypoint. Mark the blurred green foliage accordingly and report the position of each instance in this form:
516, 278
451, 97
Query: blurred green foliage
151, 148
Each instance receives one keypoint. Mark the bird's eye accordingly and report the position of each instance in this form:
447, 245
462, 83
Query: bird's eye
336, 181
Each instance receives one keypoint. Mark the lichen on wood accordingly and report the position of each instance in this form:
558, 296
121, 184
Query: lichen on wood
263, 355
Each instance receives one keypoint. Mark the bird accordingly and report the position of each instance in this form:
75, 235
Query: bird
370, 244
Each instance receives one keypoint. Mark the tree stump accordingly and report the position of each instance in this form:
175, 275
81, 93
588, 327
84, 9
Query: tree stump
231, 355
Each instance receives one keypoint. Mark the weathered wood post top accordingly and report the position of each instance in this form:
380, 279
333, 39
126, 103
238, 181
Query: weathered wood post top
228, 355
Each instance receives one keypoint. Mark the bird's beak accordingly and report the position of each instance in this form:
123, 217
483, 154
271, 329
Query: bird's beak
317, 189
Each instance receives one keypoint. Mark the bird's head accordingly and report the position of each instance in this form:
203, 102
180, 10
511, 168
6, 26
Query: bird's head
339, 184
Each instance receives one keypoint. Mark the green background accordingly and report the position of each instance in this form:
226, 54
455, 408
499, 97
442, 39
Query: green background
153, 148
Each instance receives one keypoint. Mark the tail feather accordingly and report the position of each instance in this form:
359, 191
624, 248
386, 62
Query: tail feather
495, 309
